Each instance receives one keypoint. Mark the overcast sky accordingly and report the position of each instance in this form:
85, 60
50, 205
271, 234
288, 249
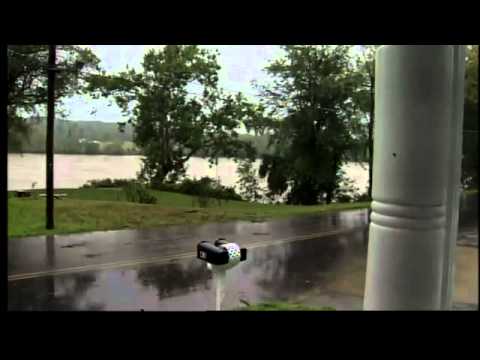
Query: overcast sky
240, 64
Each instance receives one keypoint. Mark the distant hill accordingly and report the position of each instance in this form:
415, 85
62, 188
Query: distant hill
81, 137
97, 137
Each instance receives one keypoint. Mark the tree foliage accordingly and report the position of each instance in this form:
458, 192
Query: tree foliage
171, 124
364, 99
311, 98
248, 181
27, 81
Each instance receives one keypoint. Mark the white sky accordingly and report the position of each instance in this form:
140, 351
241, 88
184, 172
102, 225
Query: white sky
240, 64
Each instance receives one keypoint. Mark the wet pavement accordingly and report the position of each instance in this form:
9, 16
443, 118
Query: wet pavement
272, 272
108, 271
46, 253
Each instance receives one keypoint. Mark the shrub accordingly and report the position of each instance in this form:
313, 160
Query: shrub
348, 196
91, 148
122, 182
136, 192
362, 197
230, 194
114, 149
98, 183
195, 187
343, 198
204, 189
157, 185
107, 183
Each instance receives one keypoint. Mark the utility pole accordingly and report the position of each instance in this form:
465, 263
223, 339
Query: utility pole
413, 188
50, 134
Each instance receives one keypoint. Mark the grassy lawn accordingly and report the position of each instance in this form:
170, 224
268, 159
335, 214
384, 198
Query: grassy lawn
283, 306
106, 209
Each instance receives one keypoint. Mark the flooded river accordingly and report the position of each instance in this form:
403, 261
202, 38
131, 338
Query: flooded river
72, 171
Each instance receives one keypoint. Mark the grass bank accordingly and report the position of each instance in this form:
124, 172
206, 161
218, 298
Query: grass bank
107, 209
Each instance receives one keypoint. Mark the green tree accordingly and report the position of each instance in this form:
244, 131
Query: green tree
248, 181
27, 82
310, 100
257, 120
170, 123
91, 148
364, 99
114, 148
470, 122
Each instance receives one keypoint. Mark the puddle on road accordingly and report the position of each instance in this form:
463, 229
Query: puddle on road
69, 246
278, 273
45, 253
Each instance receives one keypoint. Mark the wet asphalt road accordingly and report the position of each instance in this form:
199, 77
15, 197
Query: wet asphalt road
47, 253
271, 273
157, 269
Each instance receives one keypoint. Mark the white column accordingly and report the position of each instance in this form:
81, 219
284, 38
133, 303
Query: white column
455, 171
413, 109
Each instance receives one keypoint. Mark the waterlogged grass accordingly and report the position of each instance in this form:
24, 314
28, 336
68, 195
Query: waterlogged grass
27, 217
176, 200
283, 306
107, 209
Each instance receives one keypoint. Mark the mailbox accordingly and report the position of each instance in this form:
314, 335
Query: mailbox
221, 253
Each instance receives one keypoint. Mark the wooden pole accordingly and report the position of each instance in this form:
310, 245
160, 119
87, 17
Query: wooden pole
50, 134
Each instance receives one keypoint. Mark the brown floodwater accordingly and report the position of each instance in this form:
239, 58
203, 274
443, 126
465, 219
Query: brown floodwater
72, 171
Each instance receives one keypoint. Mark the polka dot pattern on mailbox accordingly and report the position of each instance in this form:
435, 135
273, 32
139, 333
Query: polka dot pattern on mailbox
233, 251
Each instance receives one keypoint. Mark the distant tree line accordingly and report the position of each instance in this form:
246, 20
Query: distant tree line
97, 137
78, 137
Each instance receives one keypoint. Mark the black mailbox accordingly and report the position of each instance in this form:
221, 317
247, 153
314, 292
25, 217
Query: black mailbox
220, 241
212, 254
243, 254
221, 252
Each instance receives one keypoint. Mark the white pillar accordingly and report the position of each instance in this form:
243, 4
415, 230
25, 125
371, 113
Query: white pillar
454, 173
413, 110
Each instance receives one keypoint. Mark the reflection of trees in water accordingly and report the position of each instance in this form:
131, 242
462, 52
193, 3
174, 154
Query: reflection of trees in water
175, 279
302, 260
50, 293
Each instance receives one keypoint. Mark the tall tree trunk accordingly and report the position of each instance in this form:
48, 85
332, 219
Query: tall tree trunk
336, 161
329, 196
